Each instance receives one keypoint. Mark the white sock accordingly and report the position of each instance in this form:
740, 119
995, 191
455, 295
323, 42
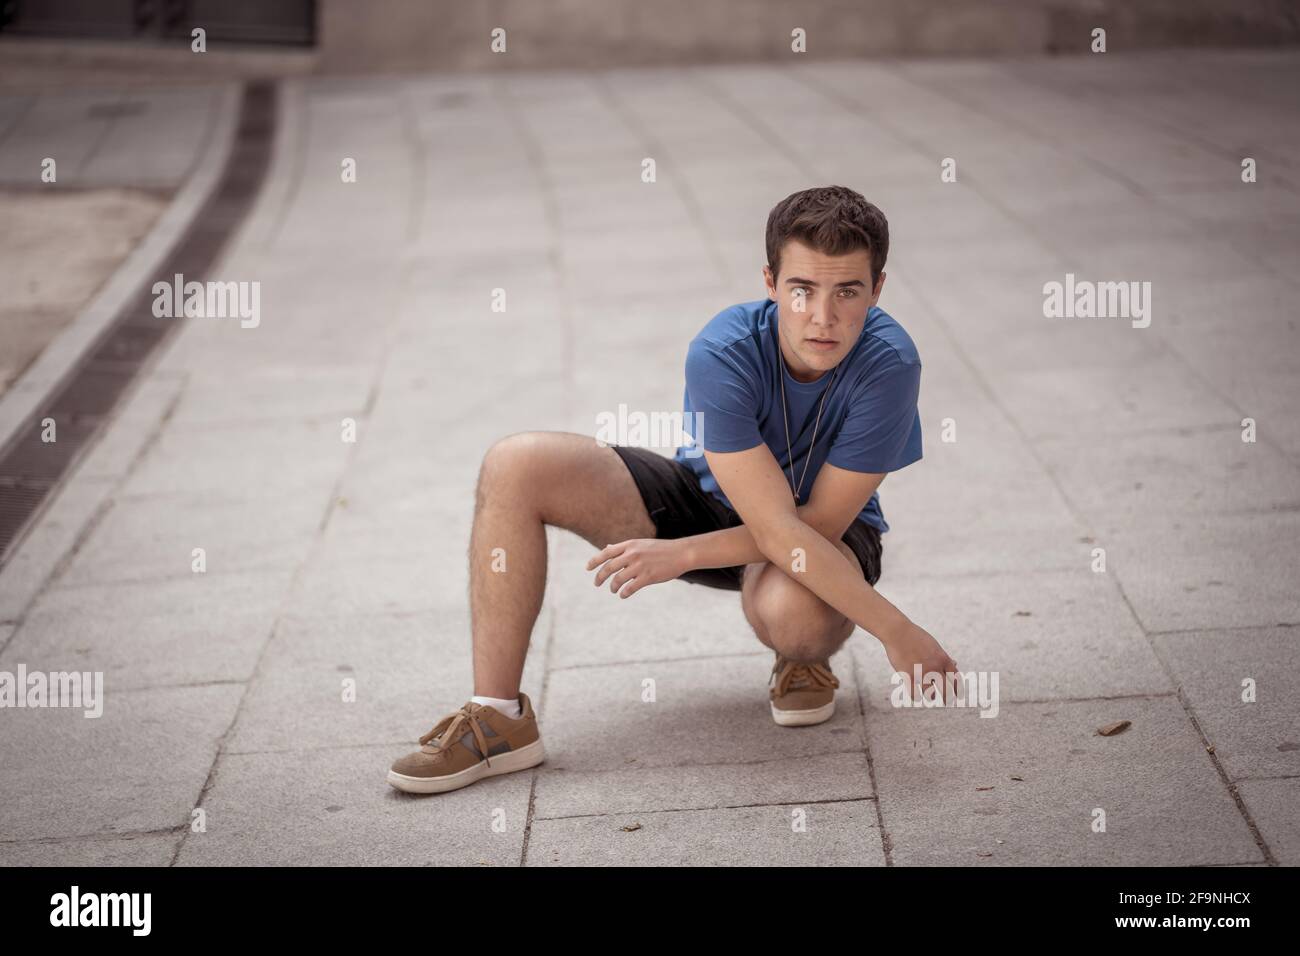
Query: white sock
508, 707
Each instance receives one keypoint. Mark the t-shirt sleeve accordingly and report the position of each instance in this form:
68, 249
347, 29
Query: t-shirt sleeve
882, 430
724, 397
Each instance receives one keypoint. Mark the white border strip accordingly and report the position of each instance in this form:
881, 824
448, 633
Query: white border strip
58, 358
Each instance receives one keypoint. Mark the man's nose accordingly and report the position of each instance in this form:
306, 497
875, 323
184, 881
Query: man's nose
820, 312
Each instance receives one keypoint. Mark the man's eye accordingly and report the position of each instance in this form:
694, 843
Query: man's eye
850, 293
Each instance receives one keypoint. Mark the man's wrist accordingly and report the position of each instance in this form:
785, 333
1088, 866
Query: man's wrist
687, 554
893, 626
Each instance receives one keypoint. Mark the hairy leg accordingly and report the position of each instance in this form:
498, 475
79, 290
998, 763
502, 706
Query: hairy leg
527, 481
788, 617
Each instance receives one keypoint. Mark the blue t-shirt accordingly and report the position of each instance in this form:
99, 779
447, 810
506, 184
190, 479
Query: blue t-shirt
870, 422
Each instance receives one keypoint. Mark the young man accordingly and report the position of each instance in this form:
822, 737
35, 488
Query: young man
805, 400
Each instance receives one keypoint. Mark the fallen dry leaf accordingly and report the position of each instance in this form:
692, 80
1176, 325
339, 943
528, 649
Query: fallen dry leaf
630, 827
1111, 730
1021, 779
983, 788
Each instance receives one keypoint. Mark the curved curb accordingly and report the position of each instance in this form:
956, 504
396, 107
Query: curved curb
57, 361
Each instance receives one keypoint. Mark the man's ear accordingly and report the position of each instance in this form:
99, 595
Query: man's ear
880, 287
770, 281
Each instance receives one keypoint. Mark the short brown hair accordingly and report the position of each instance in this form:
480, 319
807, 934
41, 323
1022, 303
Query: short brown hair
834, 220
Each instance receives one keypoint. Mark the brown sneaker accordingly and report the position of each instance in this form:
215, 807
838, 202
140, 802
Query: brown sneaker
801, 694
474, 742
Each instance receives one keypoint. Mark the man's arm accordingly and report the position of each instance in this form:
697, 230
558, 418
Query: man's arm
837, 498
753, 482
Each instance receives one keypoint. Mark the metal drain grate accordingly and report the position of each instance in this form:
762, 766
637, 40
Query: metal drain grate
30, 468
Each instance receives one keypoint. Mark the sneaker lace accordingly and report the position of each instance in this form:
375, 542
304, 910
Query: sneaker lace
450, 729
791, 674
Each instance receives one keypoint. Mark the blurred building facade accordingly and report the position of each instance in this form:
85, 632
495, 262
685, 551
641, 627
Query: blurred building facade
360, 36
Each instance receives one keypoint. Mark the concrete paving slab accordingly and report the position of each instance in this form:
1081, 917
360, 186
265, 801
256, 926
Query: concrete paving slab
1140, 481
1048, 635
672, 620
406, 673
334, 808
148, 756
1164, 803
1273, 804
718, 714
833, 834
182, 631
244, 461
142, 539
1210, 571
1256, 739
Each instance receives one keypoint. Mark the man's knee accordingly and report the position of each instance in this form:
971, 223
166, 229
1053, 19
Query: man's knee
794, 620
510, 461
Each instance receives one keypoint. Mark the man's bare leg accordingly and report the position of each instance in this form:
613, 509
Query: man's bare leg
527, 481
791, 619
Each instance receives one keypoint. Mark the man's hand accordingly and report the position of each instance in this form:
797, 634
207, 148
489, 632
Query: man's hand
641, 561
913, 646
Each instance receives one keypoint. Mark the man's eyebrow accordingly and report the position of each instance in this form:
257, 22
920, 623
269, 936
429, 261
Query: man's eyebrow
839, 285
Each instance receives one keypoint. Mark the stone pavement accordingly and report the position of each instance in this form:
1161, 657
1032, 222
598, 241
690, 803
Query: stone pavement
329, 561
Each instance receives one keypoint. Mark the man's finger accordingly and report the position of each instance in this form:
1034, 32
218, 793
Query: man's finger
607, 552
611, 566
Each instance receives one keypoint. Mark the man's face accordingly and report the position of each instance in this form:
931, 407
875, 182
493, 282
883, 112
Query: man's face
822, 303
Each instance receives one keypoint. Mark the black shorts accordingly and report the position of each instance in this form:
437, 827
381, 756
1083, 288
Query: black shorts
679, 508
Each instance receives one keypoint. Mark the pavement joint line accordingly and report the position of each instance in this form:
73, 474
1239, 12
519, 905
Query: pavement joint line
315, 748
1210, 866
116, 836
1228, 782
1207, 428
372, 397
1228, 629
543, 768
886, 840
690, 765
102, 508
418, 164
145, 688
720, 806
106, 129
541, 699
659, 660
1049, 700
19, 115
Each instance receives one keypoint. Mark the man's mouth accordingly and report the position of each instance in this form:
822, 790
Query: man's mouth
823, 345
